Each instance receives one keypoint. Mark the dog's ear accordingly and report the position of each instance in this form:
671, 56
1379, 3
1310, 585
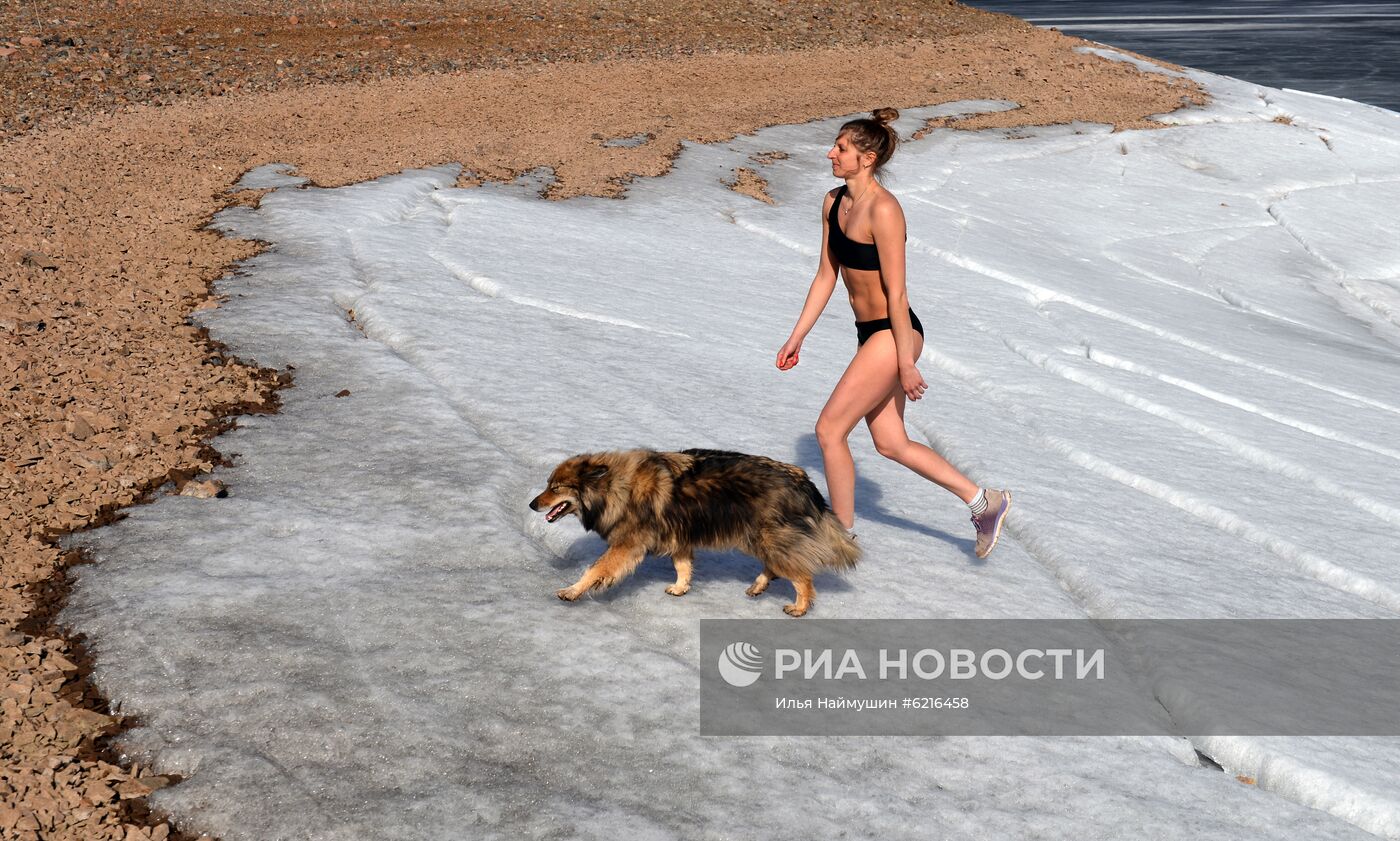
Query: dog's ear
594, 471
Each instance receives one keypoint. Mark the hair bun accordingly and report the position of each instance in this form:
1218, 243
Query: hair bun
884, 115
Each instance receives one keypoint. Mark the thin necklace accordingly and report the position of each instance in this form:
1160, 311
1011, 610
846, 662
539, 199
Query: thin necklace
855, 199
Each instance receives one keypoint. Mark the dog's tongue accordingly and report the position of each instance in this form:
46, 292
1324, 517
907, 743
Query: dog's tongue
556, 512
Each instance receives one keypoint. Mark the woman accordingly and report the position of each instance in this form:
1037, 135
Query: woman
863, 233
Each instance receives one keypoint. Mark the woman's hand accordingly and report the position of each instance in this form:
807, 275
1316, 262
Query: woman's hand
912, 382
787, 357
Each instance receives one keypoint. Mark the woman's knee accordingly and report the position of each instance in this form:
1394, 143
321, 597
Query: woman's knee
830, 432
891, 448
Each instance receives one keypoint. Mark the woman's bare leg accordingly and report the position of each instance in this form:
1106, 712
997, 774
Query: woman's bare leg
886, 424
865, 385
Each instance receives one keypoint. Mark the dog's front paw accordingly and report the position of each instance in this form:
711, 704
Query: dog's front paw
568, 594
793, 610
756, 589
678, 589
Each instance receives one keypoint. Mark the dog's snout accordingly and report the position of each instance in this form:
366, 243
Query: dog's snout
536, 503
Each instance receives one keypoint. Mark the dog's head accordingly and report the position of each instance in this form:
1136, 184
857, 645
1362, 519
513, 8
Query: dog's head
572, 485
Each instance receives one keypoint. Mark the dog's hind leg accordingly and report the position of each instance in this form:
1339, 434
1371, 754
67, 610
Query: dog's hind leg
616, 564
685, 562
761, 582
805, 595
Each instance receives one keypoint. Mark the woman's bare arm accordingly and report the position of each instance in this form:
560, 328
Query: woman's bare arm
817, 296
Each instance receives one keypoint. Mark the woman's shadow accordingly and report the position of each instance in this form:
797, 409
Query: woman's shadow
868, 494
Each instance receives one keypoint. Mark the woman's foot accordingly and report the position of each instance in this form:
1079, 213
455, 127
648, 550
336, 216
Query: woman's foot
988, 522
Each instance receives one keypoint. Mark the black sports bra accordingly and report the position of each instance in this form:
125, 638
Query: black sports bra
848, 252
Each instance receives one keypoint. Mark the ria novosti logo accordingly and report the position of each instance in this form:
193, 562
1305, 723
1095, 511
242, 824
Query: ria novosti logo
740, 664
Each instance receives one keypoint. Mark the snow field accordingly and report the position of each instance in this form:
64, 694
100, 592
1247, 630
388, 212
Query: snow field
1176, 346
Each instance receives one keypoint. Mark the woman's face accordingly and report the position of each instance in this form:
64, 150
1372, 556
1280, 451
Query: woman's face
846, 159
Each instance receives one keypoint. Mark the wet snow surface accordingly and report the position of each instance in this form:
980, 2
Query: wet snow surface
1177, 346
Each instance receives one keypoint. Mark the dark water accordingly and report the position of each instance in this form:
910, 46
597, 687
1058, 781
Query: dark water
1350, 50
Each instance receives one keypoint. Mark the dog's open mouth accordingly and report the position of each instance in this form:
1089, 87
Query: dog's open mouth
558, 511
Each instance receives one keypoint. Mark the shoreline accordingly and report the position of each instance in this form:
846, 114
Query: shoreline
110, 253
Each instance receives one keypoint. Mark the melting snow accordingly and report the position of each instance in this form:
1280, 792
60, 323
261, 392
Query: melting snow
1176, 346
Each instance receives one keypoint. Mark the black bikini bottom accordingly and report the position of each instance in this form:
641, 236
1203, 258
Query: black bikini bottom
866, 329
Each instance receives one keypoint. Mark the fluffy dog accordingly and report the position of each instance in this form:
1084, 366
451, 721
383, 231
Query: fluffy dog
643, 501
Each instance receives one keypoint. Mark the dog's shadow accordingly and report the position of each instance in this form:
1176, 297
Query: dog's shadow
710, 567
868, 507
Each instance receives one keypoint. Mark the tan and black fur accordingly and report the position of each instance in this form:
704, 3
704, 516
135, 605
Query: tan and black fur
643, 501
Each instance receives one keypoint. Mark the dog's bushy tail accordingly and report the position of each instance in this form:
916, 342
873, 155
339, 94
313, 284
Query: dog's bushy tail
837, 547
798, 552
842, 550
